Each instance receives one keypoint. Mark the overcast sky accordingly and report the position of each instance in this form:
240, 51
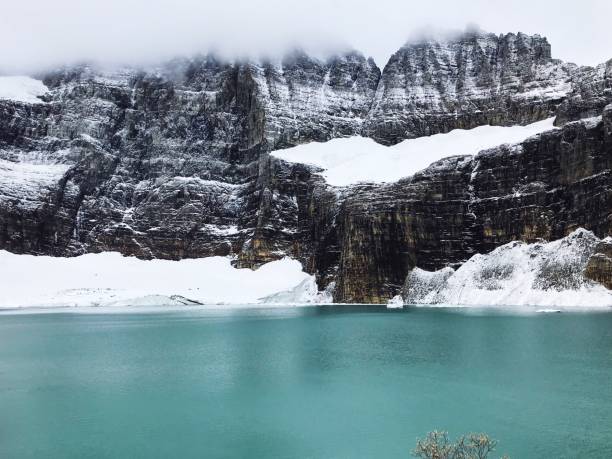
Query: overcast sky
42, 33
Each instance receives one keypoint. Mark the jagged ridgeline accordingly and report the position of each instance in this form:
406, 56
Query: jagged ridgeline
174, 162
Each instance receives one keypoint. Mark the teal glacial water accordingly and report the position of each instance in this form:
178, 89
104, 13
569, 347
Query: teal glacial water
329, 382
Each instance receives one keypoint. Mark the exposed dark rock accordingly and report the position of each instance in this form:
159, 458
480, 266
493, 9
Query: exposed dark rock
599, 266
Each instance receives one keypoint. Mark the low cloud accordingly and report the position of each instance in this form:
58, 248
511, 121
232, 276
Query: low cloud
38, 34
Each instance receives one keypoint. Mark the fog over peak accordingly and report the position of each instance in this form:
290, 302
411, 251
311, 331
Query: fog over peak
38, 34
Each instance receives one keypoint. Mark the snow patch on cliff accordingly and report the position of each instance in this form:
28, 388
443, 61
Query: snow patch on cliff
516, 274
109, 279
22, 89
351, 160
28, 183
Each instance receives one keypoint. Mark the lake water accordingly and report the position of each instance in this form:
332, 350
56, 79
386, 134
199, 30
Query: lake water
329, 382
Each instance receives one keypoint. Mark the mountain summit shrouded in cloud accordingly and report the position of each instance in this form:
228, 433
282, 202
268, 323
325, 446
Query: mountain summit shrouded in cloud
192, 159
40, 34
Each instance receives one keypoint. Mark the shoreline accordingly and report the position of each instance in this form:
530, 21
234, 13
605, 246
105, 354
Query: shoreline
229, 307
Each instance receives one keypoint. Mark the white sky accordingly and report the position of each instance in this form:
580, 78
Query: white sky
41, 33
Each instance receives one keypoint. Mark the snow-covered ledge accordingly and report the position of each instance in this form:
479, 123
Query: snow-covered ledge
351, 160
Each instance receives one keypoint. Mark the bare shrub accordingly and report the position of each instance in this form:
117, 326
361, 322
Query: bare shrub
436, 445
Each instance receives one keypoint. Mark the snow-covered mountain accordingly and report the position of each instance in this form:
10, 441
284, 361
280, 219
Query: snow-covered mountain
175, 161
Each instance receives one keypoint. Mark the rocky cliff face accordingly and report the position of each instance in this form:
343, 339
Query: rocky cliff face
436, 86
178, 154
173, 162
306, 99
591, 92
542, 189
151, 159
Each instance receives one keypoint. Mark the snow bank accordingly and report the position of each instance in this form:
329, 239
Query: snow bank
22, 89
516, 274
358, 159
109, 279
306, 292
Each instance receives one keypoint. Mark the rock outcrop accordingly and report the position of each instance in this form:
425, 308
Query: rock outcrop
173, 162
599, 266
591, 92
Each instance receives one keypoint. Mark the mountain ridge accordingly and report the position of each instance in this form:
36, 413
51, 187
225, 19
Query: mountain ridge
176, 165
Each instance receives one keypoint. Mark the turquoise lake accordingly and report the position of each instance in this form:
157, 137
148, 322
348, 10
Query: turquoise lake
326, 382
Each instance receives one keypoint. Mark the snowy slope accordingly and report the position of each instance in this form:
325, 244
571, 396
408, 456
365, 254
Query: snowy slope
22, 89
109, 279
358, 159
516, 274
